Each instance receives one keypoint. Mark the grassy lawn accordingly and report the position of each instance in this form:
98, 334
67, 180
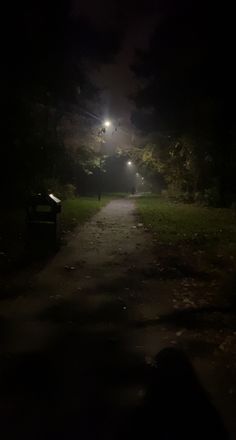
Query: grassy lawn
206, 228
79, 210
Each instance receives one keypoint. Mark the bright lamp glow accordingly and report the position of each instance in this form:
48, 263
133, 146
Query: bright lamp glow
107, 123
129, 163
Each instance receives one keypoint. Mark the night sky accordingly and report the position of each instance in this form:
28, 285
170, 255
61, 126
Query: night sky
136, 22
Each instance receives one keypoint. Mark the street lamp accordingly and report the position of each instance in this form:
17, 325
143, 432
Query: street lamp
129, 163
107, 123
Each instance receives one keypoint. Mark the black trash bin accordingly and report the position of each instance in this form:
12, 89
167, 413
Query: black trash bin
43, 218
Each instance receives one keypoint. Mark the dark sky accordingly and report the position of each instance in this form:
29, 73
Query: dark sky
135, 21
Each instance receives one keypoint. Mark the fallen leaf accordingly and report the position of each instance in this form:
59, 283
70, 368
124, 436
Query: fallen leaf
179, 333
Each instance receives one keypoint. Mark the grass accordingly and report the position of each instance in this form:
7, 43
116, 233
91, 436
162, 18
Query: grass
185, 223
79, 210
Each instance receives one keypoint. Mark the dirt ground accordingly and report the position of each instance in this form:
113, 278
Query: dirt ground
78, 339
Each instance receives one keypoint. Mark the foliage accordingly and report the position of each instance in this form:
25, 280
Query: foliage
46, 87
63, 191
69, 191
176, 161
184, 94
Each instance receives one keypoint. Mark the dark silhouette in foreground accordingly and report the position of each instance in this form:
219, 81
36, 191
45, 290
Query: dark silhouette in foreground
175, 406
50, 397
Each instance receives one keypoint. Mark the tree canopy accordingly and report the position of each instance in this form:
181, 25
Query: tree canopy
46, 81
186, 94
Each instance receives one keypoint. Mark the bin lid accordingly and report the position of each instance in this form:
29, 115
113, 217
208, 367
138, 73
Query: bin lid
45, 199
54, 198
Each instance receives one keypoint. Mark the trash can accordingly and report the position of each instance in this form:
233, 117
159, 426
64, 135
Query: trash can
43, 219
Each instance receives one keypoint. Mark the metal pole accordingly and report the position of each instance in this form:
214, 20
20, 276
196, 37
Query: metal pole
100, 175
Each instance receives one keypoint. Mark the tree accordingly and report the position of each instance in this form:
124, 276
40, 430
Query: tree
46, 80
185, 93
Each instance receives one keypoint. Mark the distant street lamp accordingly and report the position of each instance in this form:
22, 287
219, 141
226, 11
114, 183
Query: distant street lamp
129, 163
107, 123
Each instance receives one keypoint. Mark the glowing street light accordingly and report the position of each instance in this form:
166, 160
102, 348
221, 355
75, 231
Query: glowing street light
107, 123
129, 163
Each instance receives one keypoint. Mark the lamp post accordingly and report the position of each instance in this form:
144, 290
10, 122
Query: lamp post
132, 173
106, 124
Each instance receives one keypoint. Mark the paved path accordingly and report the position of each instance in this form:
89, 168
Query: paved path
78, 342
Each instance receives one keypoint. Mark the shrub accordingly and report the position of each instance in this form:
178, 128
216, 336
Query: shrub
69, 191
66, 191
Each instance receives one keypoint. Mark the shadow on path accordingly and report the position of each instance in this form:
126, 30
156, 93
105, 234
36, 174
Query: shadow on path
194, 318
175, 406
